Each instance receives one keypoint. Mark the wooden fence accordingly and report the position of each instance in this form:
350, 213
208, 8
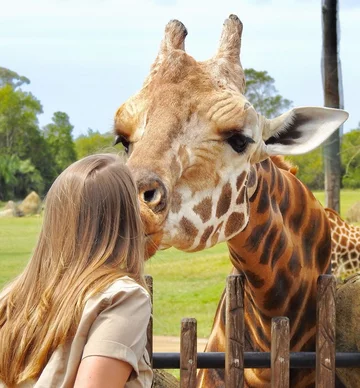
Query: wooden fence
279, 359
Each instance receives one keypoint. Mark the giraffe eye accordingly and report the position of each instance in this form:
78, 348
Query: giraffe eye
238, 142
121, 139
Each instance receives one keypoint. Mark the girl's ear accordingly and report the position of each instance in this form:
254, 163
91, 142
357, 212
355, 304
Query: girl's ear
300, 130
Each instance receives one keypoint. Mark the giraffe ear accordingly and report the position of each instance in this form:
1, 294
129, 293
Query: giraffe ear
301, 130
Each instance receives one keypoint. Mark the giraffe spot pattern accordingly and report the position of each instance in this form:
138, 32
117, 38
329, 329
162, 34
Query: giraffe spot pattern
294, 264
234, 223
205, 236
188, 229
241, 197
255, 280
215, 236
277, 294
240, 180
203, 209
252, 177
176, 202
224, 200
264, 200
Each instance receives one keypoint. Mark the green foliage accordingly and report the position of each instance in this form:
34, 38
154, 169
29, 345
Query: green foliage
18, 177
261, 92
32, 160
311, 164
350, 155
58, 135
9, 77
93, 142
311, 170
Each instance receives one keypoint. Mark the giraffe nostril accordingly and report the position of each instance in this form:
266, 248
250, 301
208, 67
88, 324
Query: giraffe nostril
152, 193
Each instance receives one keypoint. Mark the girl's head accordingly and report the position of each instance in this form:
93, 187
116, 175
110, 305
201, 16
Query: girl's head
91, 235
92, 218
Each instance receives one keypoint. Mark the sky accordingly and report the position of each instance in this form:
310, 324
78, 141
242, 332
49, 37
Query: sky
86, 57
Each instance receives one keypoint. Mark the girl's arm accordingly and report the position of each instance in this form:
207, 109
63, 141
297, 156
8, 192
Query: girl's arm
99, 372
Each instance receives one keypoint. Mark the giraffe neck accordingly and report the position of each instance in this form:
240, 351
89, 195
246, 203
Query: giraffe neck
282, 251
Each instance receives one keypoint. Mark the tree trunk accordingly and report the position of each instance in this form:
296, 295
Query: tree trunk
331, 81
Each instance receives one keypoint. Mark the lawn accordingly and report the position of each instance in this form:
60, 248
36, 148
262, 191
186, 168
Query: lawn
185, 285
348, 198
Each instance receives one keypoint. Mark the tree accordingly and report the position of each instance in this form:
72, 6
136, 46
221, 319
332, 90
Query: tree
9, 77
261, 92
332, 86
350, 153
18, 177
18, 132
18, 118
93, 143
58, 135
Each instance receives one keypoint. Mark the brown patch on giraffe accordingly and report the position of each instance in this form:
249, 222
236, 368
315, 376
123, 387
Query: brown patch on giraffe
240, 180
204, 238
343, 240
224, 200
252, 177
203, 209
336, 236
234, 223
241, 196
215, 236
188, 229
176, 202
255, 280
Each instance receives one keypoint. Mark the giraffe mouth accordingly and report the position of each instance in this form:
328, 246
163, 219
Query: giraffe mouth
152, 243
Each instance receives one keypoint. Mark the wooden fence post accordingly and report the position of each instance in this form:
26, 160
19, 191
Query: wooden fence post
234, 332
188, 353
149, 344
325, 332
280, 352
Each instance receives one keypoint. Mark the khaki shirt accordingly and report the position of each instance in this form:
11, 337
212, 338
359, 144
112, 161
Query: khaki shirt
113, 324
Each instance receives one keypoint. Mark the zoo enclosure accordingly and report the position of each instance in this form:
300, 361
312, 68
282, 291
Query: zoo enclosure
279, 359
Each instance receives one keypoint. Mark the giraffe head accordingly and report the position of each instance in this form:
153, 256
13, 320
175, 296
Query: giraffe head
192, 138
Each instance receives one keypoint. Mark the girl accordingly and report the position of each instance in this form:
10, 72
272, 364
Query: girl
77, 315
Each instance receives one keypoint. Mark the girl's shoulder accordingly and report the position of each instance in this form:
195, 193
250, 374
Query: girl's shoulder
121, 290
125, 284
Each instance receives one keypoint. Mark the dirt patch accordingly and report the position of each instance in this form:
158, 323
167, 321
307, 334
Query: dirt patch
165, 344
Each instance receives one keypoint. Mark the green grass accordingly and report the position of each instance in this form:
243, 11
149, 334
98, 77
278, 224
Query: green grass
348, 198
17, 239
185, 285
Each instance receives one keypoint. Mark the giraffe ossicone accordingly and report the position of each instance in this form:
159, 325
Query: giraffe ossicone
200, 155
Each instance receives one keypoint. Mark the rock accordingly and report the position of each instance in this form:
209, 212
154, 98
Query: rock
6, 213
347, 326
30, 205
10, 205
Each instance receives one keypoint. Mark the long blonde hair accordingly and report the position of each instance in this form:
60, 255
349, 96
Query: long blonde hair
91, 235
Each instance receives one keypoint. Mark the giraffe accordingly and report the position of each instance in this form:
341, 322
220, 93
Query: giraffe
199, 153
345, 238
345, 254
